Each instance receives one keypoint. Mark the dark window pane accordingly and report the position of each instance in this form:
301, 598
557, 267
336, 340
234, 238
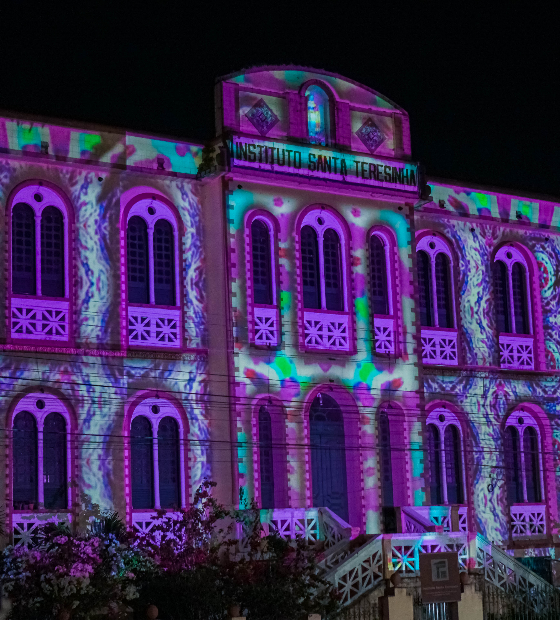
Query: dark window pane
168, 461
141, 446
52, 253
25, 462
453, 471
434, 456
54, 461
333, 271
425, 289
519, 292
310, 268
532, 469
137, 261
266, 459
501, 297
164, 264
262, 274
385, 460
512, 458
379, 290
443, 291
24, 251
328, 456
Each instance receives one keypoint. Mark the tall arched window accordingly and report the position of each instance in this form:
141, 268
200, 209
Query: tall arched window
512, 308
266, 458
328, 455
318, 115
262, 268
382, 284
157, 456
436, 300
323, 286
522, 453
40, 454
385, 463
39, 271
153, 274
445, 454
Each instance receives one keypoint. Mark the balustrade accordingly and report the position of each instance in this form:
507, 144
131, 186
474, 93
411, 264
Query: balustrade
439, 347
384, 334
516, 352
266, 326
326, 331
39, 319
528, 521
154, 326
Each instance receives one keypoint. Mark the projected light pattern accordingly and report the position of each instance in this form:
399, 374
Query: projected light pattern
98, 385
317, 115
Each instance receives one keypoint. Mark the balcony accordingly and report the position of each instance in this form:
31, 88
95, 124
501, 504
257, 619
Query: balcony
266, 326
528, 521
154, 326
25, 525
516, 352
39, 319
327, 331
384, 334
439, 346
440, 516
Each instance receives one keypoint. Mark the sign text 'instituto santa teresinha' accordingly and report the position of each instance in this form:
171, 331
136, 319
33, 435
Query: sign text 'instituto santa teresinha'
322, 163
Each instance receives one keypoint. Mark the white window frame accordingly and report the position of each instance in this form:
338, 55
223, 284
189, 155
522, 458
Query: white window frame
52, 405
509, 255
166, 409
270, 228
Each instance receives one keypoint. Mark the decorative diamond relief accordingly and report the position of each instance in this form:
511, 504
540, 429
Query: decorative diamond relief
262, 117
154, 327
326, 331
266, 326
516, 352
370, 134
39, 319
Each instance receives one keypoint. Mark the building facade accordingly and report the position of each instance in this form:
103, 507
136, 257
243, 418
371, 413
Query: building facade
288, 312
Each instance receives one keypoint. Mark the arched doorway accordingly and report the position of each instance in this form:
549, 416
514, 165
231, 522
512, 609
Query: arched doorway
328, 455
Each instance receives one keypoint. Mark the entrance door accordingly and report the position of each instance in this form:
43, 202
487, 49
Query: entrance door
328, 455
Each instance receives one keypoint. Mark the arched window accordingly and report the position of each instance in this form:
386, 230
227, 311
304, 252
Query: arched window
445, 452
323, 283
262, 267
318, 115
41, 454
164, 264
436, 300
512, 292
137, 255
522, 454
382, 285
328, 455
386, 466
39, 271
266, 458
310, 268
157, 458
153, 274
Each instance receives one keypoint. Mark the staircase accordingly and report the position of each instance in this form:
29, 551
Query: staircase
357, 569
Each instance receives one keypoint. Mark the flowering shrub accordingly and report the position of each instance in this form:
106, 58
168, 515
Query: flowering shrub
83, 576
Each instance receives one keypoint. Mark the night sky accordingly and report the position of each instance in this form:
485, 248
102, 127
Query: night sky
480, 84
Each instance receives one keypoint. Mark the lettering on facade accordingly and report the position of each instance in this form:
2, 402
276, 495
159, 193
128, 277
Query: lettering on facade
313, 162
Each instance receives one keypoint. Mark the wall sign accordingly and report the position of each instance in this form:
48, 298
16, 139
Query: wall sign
322, 163
440, 580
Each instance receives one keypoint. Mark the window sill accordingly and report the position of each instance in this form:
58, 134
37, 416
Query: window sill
439, 346
325, 330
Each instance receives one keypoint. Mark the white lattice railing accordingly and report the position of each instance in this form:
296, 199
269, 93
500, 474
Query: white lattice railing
266, 326
528, 521
25, 525
384, 334
441, 516
516, 352
439, 347
154, 326
326, 331
39, 319
144, 521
